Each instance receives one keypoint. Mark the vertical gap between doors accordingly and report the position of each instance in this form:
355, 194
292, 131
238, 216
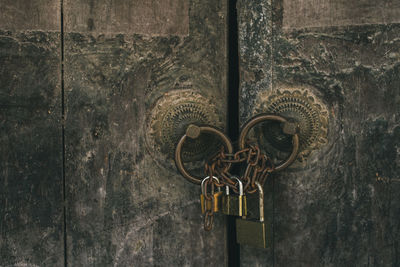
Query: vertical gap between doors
271, 47
233, 117
63, 132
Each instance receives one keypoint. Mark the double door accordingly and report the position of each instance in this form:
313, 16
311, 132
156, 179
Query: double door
94, 94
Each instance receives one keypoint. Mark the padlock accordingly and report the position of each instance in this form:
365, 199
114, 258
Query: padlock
207, 204
226, 202
235, 205
251, 232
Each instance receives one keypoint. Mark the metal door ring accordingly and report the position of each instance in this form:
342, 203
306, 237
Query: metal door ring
193, 132
264, 117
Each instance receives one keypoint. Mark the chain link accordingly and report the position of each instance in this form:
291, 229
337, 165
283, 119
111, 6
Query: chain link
257, 168
255, 165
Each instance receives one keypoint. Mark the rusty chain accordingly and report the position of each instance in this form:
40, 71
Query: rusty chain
209, 213
257, 166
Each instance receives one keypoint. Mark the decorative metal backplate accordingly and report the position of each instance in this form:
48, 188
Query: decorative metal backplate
301, 106
170, 117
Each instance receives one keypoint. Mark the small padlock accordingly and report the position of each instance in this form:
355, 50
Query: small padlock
235, 205
226, 202
254, 233
207, 204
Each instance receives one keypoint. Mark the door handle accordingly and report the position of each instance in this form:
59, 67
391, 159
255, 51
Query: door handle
288, 128
194, 132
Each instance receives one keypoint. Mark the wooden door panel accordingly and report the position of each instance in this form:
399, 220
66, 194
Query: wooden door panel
127, 205
330, 210
31, 184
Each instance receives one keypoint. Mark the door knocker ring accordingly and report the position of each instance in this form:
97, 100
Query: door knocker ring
194, 132
288, 128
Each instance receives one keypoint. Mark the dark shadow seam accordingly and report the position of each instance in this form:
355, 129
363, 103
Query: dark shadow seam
273, 4
63, 133
233, 117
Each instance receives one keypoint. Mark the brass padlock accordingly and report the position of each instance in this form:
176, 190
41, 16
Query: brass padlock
235, 205
206, 204
226, 202
254, 233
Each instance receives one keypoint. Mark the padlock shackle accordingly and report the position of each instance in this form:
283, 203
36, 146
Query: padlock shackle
205, 179
241, 193
227, 190
261, 198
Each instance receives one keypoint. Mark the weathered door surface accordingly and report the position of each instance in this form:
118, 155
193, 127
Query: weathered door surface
125, 62
94, 94
88, 93
340, 206
31, 184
